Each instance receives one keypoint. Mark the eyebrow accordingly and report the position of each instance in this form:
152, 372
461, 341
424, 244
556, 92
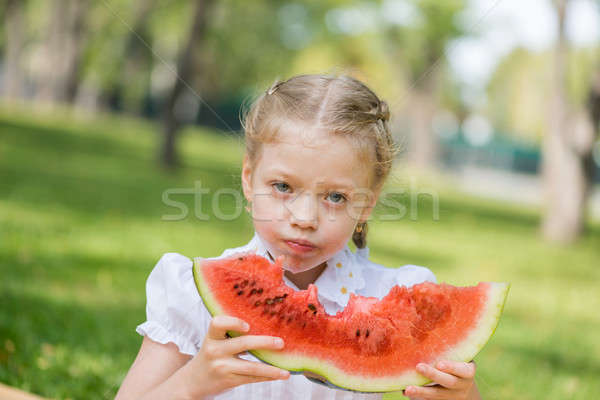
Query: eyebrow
338, 185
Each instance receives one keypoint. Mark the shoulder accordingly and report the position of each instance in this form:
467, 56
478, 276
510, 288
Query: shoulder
406, 275
380, 278
171, 265
252, 246
409, 275
175, 267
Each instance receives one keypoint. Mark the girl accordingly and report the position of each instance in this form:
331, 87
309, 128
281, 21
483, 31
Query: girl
318, 150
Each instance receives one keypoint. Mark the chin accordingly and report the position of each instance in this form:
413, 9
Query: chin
297, 270
294, 268
298, 266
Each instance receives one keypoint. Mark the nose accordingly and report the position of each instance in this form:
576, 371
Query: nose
303, 211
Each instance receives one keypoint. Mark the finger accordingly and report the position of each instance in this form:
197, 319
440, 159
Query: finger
439, 377
249, 342
257, 369
220, 324
460, 369
245, 379
431, 392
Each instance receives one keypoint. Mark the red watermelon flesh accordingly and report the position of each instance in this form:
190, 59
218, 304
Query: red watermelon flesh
372, 345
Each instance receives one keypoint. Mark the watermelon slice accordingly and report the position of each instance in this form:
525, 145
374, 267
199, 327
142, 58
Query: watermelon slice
372, 345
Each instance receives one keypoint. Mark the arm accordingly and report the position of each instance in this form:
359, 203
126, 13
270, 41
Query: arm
161, 372
156, 373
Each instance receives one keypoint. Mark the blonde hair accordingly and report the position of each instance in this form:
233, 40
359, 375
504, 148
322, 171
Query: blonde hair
341, 105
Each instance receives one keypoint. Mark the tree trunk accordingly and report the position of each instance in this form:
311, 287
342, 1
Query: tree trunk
76, 38
567, 144
593, 108
63, 49
15, 36
185, 66
423, 145
135, 61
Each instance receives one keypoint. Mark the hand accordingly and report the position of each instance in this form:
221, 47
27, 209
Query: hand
216, 367
453, 381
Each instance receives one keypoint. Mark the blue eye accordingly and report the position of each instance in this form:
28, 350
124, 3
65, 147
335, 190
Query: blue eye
281, 186
336, 197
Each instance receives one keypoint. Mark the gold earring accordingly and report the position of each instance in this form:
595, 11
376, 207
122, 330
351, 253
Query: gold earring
359, 227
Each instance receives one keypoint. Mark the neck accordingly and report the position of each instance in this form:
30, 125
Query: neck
303, 279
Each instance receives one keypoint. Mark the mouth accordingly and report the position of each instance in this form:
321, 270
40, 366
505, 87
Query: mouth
300, 245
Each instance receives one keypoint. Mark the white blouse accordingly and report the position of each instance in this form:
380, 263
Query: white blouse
175, 311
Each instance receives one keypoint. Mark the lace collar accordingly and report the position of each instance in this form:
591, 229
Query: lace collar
342, 276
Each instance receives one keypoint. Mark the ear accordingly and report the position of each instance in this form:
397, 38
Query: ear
366, 212
247, 178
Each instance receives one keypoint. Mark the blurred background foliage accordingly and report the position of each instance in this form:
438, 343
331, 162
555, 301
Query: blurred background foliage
496, 104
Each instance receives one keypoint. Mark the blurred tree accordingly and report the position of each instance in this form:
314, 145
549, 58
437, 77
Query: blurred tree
185, 67
131, 82
518, 89
118, 59
15, 30
567, 145
418, 50
517, 92
63, 47
229, 65
593, 108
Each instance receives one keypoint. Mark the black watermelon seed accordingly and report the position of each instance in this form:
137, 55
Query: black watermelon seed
367, 334
260, 290
312, 307
315, 312
241, 292
252, 292
245, 283
357, 332
241, 258
258, 303
236, 286
284, 295
252, 283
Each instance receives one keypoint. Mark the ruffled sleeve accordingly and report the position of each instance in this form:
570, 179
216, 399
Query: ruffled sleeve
174, 309
409, 275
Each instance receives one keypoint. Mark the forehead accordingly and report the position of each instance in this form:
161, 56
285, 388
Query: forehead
315, 156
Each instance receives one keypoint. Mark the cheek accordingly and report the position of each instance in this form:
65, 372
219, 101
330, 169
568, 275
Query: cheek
341, 216
338, 229
267, 208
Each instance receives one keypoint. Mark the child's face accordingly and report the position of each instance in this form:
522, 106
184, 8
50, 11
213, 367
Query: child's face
313, 189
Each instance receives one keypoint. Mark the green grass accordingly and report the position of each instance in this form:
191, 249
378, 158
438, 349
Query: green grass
81, 228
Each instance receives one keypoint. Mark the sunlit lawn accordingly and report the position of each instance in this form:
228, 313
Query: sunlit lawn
81, 226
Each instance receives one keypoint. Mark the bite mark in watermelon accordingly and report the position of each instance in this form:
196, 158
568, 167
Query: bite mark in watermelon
371, 345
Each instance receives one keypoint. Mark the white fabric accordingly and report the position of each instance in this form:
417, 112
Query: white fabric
175, 311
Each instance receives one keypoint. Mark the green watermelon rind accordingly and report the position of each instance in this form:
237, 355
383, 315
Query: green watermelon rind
464, 351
